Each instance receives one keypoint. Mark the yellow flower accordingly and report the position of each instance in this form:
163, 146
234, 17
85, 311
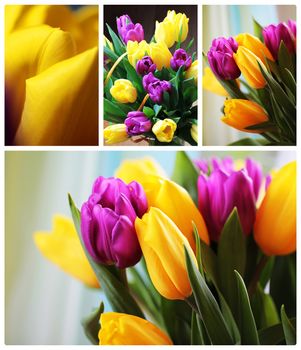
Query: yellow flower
275, 225
51, 79
138, 169
194, 132
62, 247
162, 245
180, 23
175, 202
192, 72
160, 54
211, 83
115, 133
164, 130
248, 63
107, 43
135, 51
123, 329
165, 32
255, 45
124, 91
243, 113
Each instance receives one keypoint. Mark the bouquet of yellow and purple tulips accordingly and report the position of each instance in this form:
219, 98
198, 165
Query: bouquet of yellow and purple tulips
207, 256
257, 74
150, 93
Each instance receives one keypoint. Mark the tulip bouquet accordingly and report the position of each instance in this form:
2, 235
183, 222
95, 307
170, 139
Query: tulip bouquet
149, 91
207, 257
257, 74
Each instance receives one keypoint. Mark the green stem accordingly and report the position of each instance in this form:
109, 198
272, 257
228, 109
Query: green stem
253, 283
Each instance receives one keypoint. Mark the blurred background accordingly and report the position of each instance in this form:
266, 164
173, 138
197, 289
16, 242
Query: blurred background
43, 305
230, 20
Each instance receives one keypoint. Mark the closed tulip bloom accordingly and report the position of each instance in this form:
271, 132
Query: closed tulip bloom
107, 221
194, 132
175, 202
240, 114
137, 123
124, 91
123, 329
145, 66
115, 133
128, 30
255, 45
63, 247
162, 244
180, 21
292, 26
275, 225
192, 72
211, 83
160, 54
165, 32
180, 58
248, 63
136, 51
155, 87
164, 130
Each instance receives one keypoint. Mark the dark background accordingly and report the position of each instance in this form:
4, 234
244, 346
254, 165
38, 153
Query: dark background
147, 15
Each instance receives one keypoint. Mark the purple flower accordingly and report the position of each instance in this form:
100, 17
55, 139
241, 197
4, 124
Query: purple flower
145, 66
220, 58
155, 87
225, 188
180, 58
137, 123
107, 221
274, 34
292, 26
128, 30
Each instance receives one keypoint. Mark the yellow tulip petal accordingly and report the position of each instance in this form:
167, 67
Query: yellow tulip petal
211, 83
13, 14
62, 247
61, 104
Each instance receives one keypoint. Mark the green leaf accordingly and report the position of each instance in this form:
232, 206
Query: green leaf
261, 126
209, 261
149, 112
110, 54
157, 109
117, 294
273, 335
91, 324
196, 332
119, 47
250, 142
198, 248
111, 109
135, 78
285, 59
189, 44
231, 256
288, 328
257, 30
207, 306
186, 174
245, 321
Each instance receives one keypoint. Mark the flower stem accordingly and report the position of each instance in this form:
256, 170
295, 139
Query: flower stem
191, 302
113, 67
260, 266
124, 278
143, 102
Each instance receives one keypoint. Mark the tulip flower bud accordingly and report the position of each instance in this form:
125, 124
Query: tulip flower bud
164, 130
254, 45
180, 24
160, 54
123, 329
220, 58
180, 58
137, 123
155, 87
192, 72
107, 221
124, 91
248, 63
275, 225
115, 133
145, 66
194, 132
274, 34
210, 83
243, 113
165, 32
292, 26
128, 30
136, 51
162, 244
175, 202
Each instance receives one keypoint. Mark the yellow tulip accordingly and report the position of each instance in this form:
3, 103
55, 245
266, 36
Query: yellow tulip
211, 83
275, 225
248, 63
160, 54
180, 24
164, 129
243, 113
115, 133
165, 32
135, 51
194, 132
107, 43
175, 202
51, 75
162, 245
192, 72
138, 170
123, 329
124, 91
252, 43
62, 247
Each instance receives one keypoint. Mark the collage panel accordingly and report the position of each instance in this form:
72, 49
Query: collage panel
131, 247
249, 81
150, 75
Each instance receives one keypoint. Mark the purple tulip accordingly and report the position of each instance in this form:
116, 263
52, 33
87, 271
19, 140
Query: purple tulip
155, 87
107, 221
145, 66
292, 26
137, 123
128, 30
225, 188
274, 34
180, 58
220, 58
